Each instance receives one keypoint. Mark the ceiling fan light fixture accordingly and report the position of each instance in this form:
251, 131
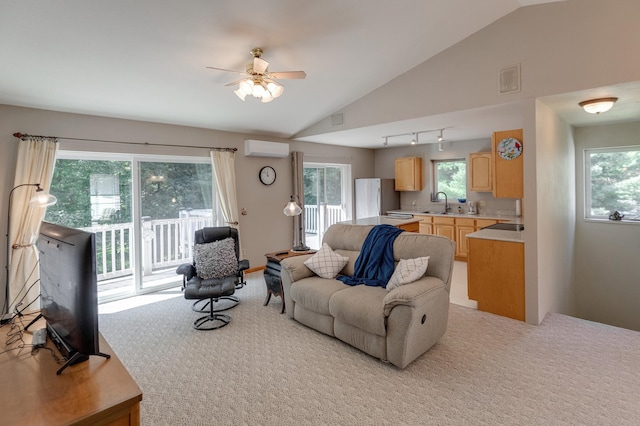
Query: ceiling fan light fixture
240, 94
597, 106
275, 89
266, 97
246, 86
258, 90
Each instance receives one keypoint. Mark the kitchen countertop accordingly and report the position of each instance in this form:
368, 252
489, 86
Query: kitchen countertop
380, 220
498, 235
511, 219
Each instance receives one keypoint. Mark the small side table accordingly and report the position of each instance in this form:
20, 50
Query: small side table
272, 273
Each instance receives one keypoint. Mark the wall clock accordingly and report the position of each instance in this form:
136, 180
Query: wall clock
267, 175
509, 148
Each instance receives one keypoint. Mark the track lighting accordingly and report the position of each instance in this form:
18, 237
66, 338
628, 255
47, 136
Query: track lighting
415, 136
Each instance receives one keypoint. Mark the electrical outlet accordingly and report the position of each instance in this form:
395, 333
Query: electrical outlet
482, 203
413, 203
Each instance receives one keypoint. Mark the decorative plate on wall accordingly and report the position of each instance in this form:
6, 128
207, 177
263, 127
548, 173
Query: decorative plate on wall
509, 148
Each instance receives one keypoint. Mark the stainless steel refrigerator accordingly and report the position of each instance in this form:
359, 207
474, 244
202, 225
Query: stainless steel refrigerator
374, 197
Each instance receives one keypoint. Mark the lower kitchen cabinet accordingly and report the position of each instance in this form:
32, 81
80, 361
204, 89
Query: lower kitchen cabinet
463, 227
495, 276
445, 227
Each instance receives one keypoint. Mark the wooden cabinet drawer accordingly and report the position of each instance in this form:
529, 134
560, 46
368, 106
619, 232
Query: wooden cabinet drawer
465, 222
481, 223
444, 220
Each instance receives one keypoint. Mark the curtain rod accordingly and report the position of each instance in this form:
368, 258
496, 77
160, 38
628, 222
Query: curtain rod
24, 136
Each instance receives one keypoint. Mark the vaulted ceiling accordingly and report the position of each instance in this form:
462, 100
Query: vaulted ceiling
146, 60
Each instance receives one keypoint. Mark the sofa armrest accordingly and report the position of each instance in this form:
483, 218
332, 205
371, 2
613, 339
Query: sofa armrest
296, 268
410, 294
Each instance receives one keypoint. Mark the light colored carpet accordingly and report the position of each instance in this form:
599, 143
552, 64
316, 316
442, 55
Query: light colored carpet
265, 369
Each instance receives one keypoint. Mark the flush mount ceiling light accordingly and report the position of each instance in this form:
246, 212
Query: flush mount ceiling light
259, 81
596, 106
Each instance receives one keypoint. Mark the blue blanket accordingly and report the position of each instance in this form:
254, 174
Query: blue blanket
374, 266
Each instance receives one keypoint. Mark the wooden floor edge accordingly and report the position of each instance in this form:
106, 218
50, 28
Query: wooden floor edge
256, 269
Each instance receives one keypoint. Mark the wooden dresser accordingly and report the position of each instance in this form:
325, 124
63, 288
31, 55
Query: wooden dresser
96, 392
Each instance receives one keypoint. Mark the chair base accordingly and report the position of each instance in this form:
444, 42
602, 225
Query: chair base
211, 321
205, 308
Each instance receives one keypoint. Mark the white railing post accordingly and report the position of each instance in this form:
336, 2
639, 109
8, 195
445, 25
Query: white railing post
147, 245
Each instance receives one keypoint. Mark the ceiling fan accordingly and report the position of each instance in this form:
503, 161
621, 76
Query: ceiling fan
259, 81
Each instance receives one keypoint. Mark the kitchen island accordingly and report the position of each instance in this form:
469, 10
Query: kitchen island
406, 224
495, 272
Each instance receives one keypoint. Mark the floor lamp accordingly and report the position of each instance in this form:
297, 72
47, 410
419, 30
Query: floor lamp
40, 199
293, 209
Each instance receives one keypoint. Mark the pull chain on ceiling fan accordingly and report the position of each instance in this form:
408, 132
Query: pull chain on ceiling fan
259, 81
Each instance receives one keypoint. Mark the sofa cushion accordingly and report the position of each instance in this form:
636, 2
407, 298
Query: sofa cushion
314, 293
360, 306
326, 263
408, 271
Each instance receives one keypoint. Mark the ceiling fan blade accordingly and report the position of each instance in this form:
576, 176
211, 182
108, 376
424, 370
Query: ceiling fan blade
260, 65
288, 74
234, 83
222, 69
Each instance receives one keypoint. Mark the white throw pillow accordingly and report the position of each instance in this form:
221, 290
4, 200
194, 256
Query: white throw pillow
326, 263
408, 271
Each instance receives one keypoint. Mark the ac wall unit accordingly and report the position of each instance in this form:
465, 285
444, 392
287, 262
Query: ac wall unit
253, 148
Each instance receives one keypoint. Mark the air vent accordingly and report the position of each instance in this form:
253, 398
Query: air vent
510, 79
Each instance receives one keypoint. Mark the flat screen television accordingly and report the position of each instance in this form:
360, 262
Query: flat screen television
69, 291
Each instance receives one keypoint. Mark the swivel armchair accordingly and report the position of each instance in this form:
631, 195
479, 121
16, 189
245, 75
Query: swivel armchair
212, 278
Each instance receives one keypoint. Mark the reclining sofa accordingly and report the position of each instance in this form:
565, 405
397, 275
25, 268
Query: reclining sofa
396, 326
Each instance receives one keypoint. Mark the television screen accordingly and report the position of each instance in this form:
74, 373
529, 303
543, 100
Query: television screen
69, 290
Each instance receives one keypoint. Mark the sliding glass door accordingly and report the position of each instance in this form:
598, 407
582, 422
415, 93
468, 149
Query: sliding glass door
144, 211
327, 198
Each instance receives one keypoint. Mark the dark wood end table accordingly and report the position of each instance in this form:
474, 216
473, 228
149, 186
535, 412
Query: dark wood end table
272, 273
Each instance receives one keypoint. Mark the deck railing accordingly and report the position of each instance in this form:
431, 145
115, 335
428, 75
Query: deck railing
314, 222
166, 243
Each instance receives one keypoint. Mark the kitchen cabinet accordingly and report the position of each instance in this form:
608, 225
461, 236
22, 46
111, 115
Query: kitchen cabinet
507, 173
426, 224
495, 276
408, 174
463, 227
481, 172
444, 226
410, 227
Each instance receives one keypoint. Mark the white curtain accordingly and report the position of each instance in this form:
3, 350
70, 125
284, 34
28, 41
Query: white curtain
35, 163
223, 164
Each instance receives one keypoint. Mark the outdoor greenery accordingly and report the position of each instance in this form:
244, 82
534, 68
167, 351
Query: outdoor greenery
451, 178
314, 192
165, 189
615, 182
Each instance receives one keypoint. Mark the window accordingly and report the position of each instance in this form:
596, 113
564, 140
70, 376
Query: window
450, 177
612, 182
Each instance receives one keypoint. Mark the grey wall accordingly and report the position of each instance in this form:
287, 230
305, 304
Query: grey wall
264, 229
607, 279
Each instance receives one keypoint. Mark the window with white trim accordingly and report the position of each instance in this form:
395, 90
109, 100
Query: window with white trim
450, 177
612, 182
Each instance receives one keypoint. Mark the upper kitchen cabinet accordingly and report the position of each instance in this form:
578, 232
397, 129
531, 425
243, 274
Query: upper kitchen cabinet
408, 174
507, 154
481, 172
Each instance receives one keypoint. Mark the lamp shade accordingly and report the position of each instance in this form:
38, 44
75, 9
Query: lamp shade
292, 208
42, 199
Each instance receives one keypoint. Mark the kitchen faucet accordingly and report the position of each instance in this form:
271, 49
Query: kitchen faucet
446, 201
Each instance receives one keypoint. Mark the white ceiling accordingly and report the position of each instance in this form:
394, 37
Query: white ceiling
146, 60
